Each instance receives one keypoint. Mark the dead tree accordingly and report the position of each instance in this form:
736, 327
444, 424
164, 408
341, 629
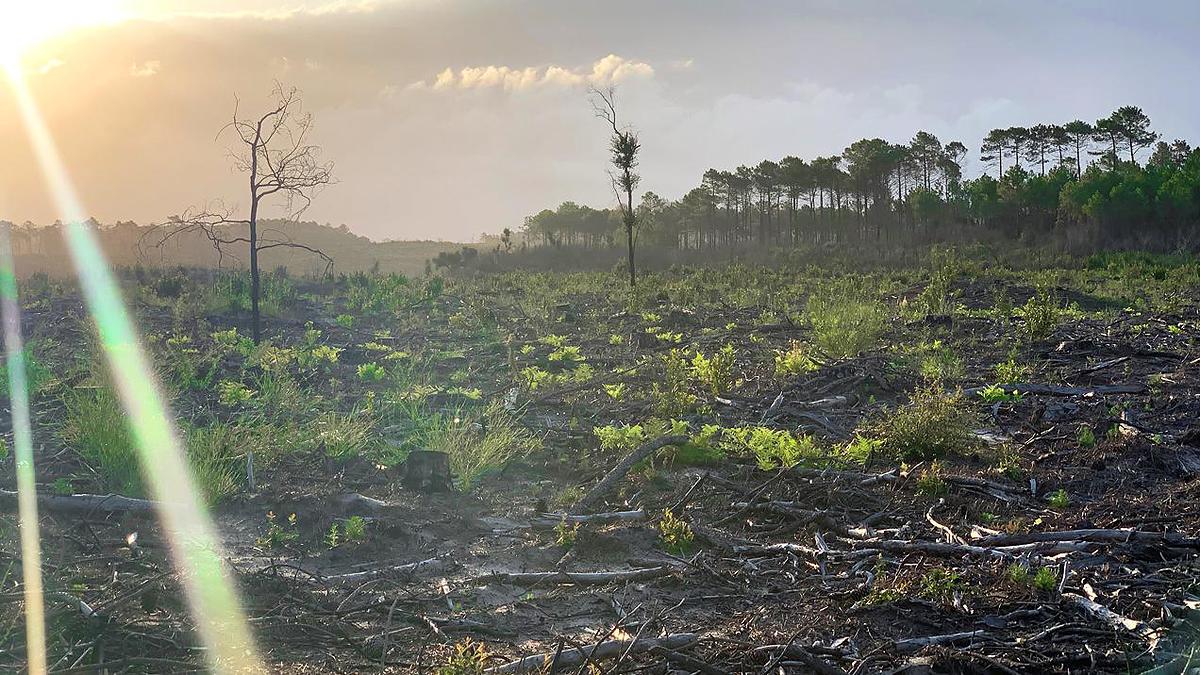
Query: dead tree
624, 147
273, 150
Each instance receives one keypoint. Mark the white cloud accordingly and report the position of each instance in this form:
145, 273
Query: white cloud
609, 70
145, 69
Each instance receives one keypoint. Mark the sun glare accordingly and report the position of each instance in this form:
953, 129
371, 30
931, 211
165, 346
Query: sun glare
26, 23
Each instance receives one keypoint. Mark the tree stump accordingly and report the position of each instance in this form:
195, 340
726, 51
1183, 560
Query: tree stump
427, 471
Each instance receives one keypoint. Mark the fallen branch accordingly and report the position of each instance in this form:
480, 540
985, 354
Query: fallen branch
1110, 617
430, 565
916, 644
1113, 536
552, 520
576, 578
1052, 390
84, 503
618, 472
573, 658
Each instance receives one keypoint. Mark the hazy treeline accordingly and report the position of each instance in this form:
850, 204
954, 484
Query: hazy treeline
1103, 184
128, 244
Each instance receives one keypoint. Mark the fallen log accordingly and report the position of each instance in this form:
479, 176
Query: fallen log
573, 658
576, 578
618, 472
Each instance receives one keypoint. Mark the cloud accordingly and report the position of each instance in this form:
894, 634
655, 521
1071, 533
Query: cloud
609, 70
145, 69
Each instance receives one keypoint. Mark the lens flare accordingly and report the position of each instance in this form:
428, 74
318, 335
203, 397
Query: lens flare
18, 396
195, 550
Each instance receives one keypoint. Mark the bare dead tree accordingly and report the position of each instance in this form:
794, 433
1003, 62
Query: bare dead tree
273, 150
623, 148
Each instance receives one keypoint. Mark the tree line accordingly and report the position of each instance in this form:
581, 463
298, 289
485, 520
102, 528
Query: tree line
1107, 183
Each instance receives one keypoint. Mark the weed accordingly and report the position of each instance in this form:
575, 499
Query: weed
675, 534
939, 584
794, 361
774, 448
231, 393
565, 535
62, 486
279, 535
994, 393
468, 658
355, 529
932, 424
670, 396
333, 536
1008, 463
1045, 580
931, 482
715, 373
1059, 499
615, 391
938, 363
343, 436
344, 320
616, 340
1009, 372
371, 372
1086, 437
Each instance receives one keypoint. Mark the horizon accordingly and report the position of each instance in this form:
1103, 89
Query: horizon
447, 120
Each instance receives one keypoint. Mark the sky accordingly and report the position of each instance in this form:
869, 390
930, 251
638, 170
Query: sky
447, 119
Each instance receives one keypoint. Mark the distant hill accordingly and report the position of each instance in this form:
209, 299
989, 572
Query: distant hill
127, 244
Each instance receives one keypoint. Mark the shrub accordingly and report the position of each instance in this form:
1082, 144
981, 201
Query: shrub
846, 319
932, 424
1041, 314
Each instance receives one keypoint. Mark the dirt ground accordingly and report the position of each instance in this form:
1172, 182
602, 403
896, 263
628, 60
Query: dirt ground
971, 564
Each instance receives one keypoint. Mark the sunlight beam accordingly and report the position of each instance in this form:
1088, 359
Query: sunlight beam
195, 550
18, 396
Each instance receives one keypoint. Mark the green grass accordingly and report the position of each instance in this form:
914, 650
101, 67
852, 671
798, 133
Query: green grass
95, 427
483, 443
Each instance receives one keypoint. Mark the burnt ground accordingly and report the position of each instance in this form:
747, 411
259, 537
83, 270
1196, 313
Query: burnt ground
887, 566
